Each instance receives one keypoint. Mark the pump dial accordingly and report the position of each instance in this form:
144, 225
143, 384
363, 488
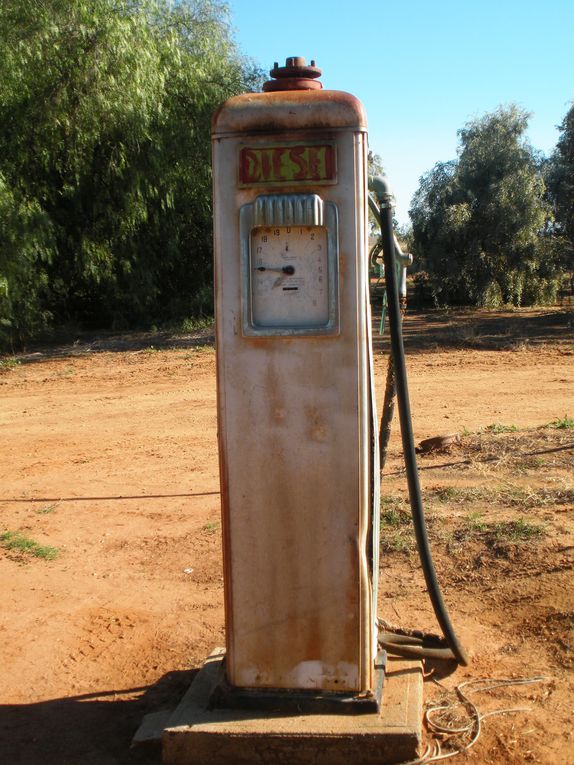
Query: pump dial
290, 276
290, 266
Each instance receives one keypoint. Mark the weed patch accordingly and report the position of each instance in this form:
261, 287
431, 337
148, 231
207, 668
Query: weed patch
499, 427
47, 509
396, 540
394, 509
203, 348
504, 445
194, 324
566, 423
211, 527
506, 495
17, 542
495, 536
8, 363
396, 532
518, 530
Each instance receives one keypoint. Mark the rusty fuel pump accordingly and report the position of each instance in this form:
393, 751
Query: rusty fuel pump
302, 677
296, 414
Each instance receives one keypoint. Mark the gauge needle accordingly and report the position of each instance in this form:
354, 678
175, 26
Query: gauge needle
280, 270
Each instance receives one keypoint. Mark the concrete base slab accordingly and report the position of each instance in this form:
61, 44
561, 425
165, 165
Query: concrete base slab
152, 728
198, 735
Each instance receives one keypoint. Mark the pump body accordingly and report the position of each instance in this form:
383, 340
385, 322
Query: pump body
296, 418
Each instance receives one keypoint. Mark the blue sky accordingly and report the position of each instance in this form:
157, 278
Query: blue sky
424, 69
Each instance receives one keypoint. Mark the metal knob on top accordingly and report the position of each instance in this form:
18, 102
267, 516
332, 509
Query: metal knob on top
295, 75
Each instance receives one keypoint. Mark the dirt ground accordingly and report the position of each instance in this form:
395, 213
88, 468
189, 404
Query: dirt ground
109, 456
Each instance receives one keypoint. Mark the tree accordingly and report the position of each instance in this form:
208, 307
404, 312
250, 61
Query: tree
25, 240
561, 186
374, 168
105, 109
481, 222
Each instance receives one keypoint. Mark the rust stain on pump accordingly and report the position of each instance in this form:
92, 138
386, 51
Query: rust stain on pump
268, 113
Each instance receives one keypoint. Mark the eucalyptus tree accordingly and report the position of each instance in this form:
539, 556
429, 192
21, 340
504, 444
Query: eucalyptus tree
481, 222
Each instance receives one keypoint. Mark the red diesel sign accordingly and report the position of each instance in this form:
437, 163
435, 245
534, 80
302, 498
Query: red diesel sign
287, 164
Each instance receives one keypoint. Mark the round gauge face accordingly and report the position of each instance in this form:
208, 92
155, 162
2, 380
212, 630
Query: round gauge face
289, 276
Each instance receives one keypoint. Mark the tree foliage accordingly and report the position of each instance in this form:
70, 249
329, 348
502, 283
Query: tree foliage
481, 222
105, 185
561, 186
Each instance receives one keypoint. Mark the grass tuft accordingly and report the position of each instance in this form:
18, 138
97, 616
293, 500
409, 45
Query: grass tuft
396, 532
507, 495
519, 530
47, 509
15, 540
499, 427
211, 527
393, 511
198, 349
475, 523
566, 423
194, 324
494, 535
8, 363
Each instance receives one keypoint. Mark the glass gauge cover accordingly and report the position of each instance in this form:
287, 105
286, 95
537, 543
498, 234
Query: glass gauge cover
289, 276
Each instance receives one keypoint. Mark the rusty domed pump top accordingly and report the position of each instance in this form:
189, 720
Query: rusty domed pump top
295, 75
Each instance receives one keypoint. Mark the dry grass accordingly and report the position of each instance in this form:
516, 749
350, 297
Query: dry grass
514, 482
503, 448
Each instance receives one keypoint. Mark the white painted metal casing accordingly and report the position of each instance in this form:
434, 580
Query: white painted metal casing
295, 409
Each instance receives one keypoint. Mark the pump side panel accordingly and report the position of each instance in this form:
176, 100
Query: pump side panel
294, 452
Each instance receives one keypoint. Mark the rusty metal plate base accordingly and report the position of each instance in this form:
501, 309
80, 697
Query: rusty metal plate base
226, 696
200, 734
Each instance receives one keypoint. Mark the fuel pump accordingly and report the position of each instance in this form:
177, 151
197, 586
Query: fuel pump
298, 445
297, 434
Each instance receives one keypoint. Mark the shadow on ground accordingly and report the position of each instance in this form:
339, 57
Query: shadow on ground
91, 729
484, 329
424, 330
97, 728
105, 342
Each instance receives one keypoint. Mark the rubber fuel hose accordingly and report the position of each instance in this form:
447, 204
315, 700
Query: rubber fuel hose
384, 198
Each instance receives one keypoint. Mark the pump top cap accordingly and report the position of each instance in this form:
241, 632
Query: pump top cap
295, 75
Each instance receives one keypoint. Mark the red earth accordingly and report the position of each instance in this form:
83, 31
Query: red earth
110, 457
